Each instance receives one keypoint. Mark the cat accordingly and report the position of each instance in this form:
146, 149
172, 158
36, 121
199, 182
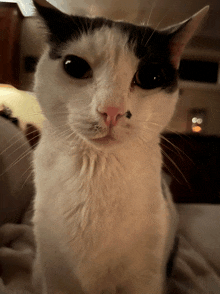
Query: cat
107, 89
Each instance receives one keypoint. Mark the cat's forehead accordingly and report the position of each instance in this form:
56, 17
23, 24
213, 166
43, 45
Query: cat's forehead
96, 35
101, 44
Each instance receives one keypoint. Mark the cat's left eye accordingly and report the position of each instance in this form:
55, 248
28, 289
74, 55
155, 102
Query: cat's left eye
77, 67
149, 77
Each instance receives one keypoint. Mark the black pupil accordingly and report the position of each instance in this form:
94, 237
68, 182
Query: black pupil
150, 77
77, 67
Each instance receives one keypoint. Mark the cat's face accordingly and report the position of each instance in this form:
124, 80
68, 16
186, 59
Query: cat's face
108, 82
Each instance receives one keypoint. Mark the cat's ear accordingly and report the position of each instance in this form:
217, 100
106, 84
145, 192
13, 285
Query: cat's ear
59, 25
181, 33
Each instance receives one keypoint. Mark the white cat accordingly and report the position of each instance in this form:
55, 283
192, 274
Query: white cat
107, 89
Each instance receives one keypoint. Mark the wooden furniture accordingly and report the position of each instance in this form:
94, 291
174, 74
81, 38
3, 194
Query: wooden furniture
10, 25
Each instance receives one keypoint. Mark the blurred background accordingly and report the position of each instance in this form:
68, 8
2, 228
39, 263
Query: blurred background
196, 168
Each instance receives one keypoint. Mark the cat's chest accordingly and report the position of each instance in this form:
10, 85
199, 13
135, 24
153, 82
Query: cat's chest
99, 195
107, 180
105, 189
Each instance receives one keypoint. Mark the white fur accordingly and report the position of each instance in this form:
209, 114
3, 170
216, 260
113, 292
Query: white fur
101, 222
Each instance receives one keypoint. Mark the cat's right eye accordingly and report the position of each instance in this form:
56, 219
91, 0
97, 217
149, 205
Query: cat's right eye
77, 67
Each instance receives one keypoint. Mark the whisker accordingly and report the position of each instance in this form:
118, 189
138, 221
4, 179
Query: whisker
147, 121
153, 123
167, 128
170, 171
158, 26
34, 145
20, 138
23, 155
176, 132
8, 155
29, 175
170, 159
151, 11
177, 148
150, 129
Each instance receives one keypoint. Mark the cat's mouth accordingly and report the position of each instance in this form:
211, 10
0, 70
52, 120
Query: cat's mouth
105, 140
108, 138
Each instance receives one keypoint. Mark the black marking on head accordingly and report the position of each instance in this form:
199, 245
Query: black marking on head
55, 52
150, 46
155, 73
79, 25
63, 28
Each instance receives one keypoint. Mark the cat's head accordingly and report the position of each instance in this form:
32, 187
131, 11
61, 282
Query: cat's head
110, 82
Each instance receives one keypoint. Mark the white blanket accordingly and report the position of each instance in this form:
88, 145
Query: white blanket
196, 266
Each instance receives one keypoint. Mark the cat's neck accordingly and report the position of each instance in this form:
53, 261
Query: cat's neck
124, 182
134, 155
132, 169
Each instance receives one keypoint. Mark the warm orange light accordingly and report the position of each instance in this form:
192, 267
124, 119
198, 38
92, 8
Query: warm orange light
6, 86
196, 129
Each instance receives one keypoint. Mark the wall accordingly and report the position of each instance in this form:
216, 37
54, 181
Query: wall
32, 44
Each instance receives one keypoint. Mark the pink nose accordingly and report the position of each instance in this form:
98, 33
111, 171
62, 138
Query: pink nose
111, 115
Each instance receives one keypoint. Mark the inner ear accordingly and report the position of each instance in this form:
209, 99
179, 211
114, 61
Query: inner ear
181, 33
